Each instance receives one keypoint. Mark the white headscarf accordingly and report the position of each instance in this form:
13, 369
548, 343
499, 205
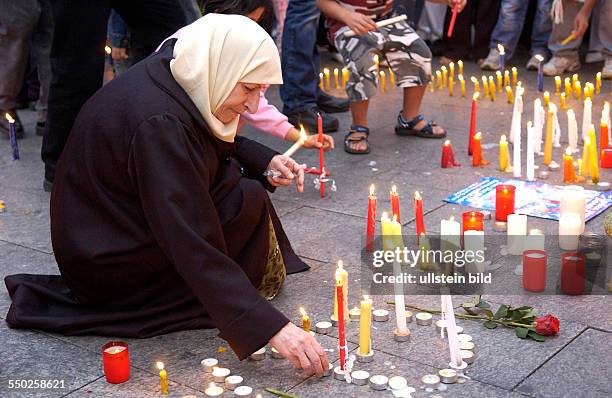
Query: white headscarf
216, 52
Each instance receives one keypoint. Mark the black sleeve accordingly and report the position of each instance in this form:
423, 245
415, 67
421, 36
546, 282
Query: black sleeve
168, 167
254, 158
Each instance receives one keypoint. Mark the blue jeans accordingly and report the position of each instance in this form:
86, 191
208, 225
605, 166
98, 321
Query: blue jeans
510, 24
300, 58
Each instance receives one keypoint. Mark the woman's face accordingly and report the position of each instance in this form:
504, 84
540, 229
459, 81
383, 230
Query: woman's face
256, 14
244, 97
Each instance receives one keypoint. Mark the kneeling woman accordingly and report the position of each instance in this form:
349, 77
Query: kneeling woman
159, 217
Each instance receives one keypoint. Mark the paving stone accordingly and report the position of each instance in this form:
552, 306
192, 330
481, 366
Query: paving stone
581, 369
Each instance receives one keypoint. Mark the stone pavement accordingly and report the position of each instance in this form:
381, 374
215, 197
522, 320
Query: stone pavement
576, 363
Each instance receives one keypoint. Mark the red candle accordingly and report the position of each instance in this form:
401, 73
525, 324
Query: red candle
418, 214
473, 221
321, 151
534, 270
370, 229
395, 209
603, 136
451, 25
504, 201
472, 124
116, 362
448, 157
606, 158
341, 337
572, 273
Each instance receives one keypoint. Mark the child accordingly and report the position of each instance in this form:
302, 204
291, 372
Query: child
406, 53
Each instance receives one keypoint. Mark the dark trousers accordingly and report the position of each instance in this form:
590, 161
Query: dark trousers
482, 14
77, 56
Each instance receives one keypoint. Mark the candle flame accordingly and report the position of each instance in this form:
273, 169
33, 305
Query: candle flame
477, 135
394, 189
395, 218
503, 139
375, 58
460, 77
366, 297
475, 96
568, 151
447, 143
9, 118
303, 135
160, 365
501, 49
340, 265
372, 190
335, 71
587, 140
417, 196
107, 49
498, 74
452, 218
326, 71
321, 75
474, 80
422, 234
302, 311
384, 217
539, 57
382, 74
443, 68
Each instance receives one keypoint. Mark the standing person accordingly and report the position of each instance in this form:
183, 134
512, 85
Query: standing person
479, 14
77, 57
508, 32
300, 92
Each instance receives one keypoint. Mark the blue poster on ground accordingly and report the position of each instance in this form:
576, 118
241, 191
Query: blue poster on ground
534, 199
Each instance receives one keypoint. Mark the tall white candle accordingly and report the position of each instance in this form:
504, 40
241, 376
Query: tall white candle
530, 152
400, 307
572, 131
586, 117
473, 241
605, 115
450, 235
538, 124
569, 231
573, 200
451, 328
517, 230
516, 131
556, 127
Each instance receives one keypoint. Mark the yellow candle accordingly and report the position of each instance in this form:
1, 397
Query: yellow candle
557, 85
327, 79
574, 78
391, 78
506, 78
444, 76
431, 86
510, 94
579, 161
438, 79
503, 152
586, 154
514, 75
336, 80
342, 277
594, 159
549, 138
163, 378
476, 84
462, 83
500, 81
562, 101
460, 66
305, 320
577, 90
345, 75
321, 84
385, 227
491, 88
598, 83
383, 81
451, 68
365, 325
376, 62
568, 87
589, 90
546, 99
451, 85
485, 86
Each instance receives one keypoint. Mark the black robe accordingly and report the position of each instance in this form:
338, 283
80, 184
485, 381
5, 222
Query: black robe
156, 225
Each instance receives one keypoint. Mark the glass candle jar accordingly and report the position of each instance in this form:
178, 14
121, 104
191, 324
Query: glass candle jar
504, 201
116, 362
594, 249
534, 270
572, 273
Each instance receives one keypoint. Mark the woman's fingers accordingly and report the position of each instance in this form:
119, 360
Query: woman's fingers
315, 360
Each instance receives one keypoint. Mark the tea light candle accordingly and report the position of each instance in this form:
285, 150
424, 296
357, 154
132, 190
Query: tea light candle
243, 391
448, 376
423, 318
276, 354
116, 361
441, 325
231, 382
219, 374
464, 338
328, 371
398, 383
467, 356
213, 390
380, 315
409, 316
467, 346
259, 354
360, 377
323, 327
354, 313
339, 373
379, 382
209, 363
431, 381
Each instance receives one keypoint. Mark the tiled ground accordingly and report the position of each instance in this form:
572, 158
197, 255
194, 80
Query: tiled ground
576, 363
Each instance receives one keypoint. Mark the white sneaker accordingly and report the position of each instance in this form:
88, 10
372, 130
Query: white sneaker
533, 62
559, 65
593, 57
491, 62
606, 72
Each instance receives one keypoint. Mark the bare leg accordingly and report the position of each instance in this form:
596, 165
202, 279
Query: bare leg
412, 107
359, 111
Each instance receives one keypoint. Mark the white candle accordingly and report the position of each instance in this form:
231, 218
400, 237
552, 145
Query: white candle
400, 307
515, 131
517, 229
538, 124
605, 115
450, 235
451, 329
572, 131
569, 231
473, 241
536, 240
298, 144
530, 152
573, 200
586, 117
556, 127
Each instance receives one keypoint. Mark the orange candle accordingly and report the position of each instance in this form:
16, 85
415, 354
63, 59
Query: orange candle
477, 159
395, 209
568, 166
472, 124
603, 135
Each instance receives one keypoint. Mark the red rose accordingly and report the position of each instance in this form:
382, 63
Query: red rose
547, 325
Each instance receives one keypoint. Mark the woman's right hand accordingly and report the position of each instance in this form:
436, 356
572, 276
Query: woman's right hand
359, 23
301, 349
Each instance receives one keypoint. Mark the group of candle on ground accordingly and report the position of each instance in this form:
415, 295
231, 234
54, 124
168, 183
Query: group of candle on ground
341, 76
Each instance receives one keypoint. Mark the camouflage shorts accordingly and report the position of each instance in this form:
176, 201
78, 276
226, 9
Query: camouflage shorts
406, 53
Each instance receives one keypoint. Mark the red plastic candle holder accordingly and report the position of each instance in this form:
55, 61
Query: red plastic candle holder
473, 221
504, 201
534, 270
573, 268
606, 158
116, 361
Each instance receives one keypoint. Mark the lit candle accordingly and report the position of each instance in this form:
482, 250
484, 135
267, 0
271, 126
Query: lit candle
472, 124
530, 152
593, 156
213, 390
579, 162
395, 209
569, 230
562, 103
342, 314
472, 221
587, 91
546, 99
451, 85
336, 76
540, 72
549, 138
298, 144
391, 78
431, 86
586, 155
577, 90
438, 79
163, 378
477, 159
517, 230
345, 76
514, 76
365, 326
515, 131
305, 320
598, 83
556, 127
568, 166
383, 81
575, 78
491, 88
342, 276
587, 117
418, 212
321, 84
557, 85
568, 87
572, 131
327, 79
116, 362
448, 158
485, 86
371, 223
462, 85
500, 81
451, 330
460, 66
502, 57
451, 68
573, 200
503, 153
476, 84
398, 288
444, 76
603, 134
13, 136
504, 201
376, 60
510, 94
506, 78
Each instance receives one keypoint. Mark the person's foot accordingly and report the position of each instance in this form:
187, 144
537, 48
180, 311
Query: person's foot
606, 72
558, 65
418, 126
491, 62
356, 140
4, 124
330, 104
40, 128
593, 57
533, 62
308, 118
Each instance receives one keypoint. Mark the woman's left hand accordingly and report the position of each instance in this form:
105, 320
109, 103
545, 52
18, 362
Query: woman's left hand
312, 142
290, 170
